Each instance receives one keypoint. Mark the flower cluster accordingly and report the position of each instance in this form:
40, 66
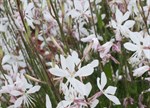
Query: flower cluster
58, 49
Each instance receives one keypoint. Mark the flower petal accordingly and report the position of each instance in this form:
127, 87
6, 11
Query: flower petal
140, 71
147, 53
129, 23
5, 59
119, 16
58, 72
110, 90
87, 70
88, 89
70, 63
94, 103
48, 102
114, 24
79, 86
88, 38
78, 5
34, 89
136, 37
63, 62
131, 47
63, 104
98, 83
103, 80
75, 57
16, 93
125, 16
18, 102
114, 99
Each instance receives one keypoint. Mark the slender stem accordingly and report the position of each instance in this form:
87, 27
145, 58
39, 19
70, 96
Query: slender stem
21, 15
92, 18
144, 17
50, 3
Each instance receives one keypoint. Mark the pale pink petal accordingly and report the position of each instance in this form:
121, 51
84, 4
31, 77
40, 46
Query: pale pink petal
147, 53
70, 63
146, 41
119, 16
34, 89
98, 83
3, 28
15, 93
5, 59
113, 23
75, 57
136, 37
58, 72
48, 102
125, 16
63, 62
18, 102
73, 13
63, 104
87, 70
88, 88
110, 90
112, 98
103, 80
94, 103
88, 38
78, 5
78, 86
129, 23
131, 47
86, 5
140, 71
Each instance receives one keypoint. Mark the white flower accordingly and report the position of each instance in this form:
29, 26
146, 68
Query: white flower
70, 95
74, 99
68, 70
81, 9
11, 59
25, 97
118, 24
140, 71
105, 49
110, 91
20, 90
92, 38
139, 45
29, 11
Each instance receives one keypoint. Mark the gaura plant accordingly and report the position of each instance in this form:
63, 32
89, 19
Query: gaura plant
62, 53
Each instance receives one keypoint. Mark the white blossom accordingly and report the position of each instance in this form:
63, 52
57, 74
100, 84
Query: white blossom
68, 71
140, 71
122, 24
109, 91
140, 45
